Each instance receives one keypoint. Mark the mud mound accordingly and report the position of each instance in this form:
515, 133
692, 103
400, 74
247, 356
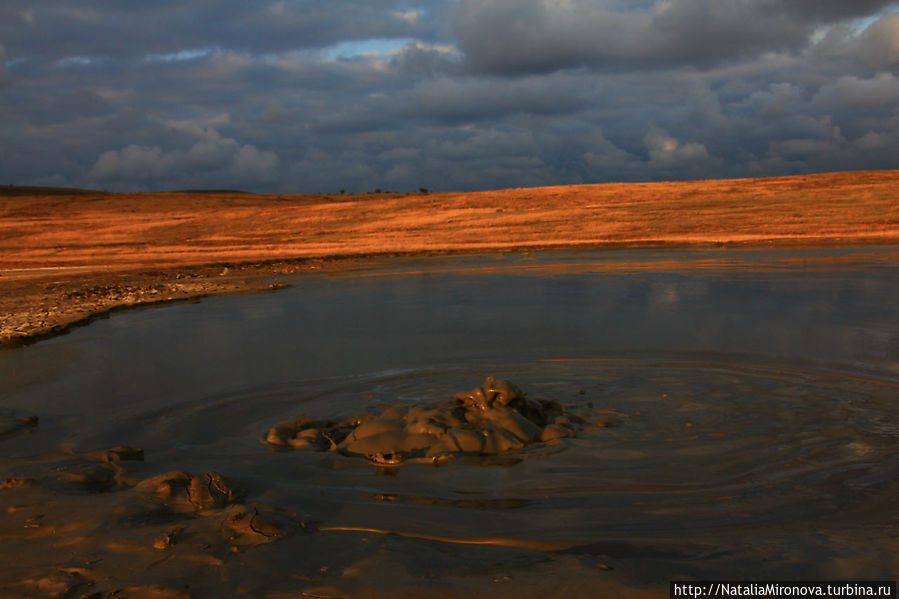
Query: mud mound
494, 419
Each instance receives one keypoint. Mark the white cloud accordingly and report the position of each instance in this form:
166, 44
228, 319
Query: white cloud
665, 150
879, 43
372, 49
79, 61
875, 47
212, 160
181, 55
412, 17
138, 163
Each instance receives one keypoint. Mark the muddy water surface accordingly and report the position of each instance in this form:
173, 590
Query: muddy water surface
750, 398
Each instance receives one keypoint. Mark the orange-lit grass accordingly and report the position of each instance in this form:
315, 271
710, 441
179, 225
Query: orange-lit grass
127, 231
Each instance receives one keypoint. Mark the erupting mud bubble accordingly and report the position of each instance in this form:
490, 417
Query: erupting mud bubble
494, 419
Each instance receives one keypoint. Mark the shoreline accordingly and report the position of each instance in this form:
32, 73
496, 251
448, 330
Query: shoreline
68, 257
82, 296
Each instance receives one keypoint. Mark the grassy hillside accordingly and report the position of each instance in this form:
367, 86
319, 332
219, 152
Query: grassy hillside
78, 228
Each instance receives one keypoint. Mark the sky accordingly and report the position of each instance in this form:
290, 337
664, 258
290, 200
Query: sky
318, 96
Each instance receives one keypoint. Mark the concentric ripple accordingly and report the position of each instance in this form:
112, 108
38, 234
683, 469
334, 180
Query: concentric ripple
714, 448
714, 466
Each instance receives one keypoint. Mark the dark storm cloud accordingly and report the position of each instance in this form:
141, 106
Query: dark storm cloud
458, 99
307, 95
876, 48
3, 73
823, 10
517, 36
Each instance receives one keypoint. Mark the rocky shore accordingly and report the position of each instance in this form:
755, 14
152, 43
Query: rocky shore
34, 306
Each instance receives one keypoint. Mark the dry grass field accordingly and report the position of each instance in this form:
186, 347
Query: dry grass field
68, 254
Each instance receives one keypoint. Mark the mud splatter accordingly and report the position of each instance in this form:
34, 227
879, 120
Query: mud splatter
125, 527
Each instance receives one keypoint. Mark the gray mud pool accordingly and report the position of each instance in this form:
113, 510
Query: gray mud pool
565, 424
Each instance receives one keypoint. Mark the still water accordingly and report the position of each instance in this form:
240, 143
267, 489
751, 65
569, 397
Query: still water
755, 391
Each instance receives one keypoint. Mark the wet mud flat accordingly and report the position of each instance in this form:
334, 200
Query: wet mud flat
508, 463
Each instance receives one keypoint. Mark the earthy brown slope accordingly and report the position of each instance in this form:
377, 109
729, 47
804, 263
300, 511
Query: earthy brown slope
68, 254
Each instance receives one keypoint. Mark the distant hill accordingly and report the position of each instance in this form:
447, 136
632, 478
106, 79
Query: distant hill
28, 190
